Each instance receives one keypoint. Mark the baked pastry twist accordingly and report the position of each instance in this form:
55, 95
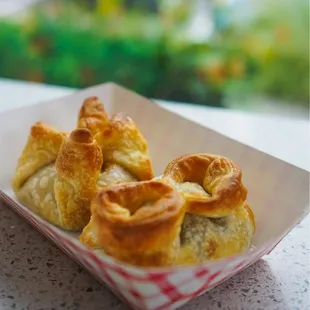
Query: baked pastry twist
218, 223
139, 222
56, 176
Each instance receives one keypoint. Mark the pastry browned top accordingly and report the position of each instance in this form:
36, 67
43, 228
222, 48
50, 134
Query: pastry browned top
119, 138
93, 115
42, 148
79, 161
137, 205
218, 177
77, 165
138, 222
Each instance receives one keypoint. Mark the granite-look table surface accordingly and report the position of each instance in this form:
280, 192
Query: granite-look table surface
35, 274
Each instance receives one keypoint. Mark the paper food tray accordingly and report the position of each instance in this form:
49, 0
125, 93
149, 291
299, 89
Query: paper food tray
278, 193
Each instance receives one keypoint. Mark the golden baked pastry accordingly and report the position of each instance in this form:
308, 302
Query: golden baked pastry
56, 176
127, 224
120, 140
211, 184
124, 149
93, 115
139, 222
218, 223
123, 144
99, 179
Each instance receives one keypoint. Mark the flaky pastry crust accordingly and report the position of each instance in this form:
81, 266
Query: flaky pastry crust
78, 165
219, 177
139, 222
57, 175
122, 143
218, 223
124, 150
120, 139
206, 239
116, 229
42, 148
98, 179
93, 115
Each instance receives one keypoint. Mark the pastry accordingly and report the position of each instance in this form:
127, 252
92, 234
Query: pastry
93, 115
139, 223
99, 180
204, 195
120, 140
124, 149
56, 176
218, 222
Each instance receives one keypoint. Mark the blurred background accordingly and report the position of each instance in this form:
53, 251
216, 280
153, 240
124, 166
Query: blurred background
238, 54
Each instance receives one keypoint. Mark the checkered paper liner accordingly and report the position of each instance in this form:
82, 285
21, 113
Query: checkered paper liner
155, 288
278, 193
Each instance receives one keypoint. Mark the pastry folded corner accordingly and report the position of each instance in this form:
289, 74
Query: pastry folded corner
41, 149
57, 175
93, 115
120, 139
123, 143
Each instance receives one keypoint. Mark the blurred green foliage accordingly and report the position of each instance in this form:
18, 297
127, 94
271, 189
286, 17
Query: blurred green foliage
64, 45
278, 40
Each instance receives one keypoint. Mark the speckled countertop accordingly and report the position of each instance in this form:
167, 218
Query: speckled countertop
35, 274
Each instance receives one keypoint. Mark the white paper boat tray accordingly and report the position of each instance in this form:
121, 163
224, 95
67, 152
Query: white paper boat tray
278, 193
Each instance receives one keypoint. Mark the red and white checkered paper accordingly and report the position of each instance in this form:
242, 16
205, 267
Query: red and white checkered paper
162, 288
278, 194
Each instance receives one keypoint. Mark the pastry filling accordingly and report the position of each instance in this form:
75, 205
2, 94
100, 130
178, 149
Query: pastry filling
204, 238
38, 193
191, 188
134, 208
114, 174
